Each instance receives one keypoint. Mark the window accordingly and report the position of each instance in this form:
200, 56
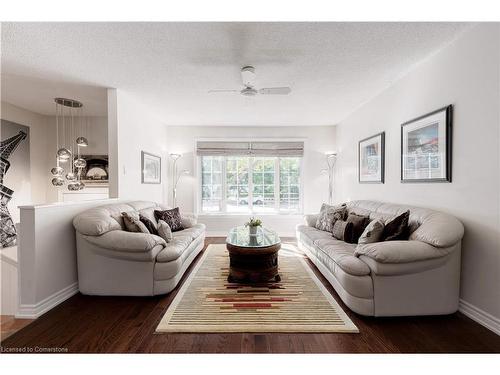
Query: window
250, 184
211, 184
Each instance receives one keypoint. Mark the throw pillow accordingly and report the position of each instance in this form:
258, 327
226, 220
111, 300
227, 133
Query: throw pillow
164, 231
342, 230
359, 224
397, 228
329, 215
373, 232
132, 222
149, 224
171, 217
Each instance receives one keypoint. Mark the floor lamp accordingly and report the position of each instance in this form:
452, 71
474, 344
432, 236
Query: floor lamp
330, 160
176, 177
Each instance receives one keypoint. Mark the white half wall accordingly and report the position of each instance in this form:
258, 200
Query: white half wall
318, 140
465, 74
135, 129
47, 255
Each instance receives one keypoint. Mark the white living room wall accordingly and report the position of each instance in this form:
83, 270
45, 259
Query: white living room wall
319, 140
465, 74
132, 129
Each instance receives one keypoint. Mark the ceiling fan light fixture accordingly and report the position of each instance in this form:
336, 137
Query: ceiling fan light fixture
248, 91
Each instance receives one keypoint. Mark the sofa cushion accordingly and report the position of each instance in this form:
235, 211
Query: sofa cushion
164, 231
150, 225
105, 218
171, 217
342, 230
373, 232
310, 234
359, 223
174, 249
133, 223
342, 254
194, 232
328, 215
397, 229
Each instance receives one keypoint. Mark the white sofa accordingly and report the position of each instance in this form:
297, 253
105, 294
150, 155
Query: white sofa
112, 261
393, 278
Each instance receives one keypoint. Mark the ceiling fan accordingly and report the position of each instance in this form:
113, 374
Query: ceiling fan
248, 79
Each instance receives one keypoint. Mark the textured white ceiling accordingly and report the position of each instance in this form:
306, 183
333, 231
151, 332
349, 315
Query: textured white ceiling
332, 67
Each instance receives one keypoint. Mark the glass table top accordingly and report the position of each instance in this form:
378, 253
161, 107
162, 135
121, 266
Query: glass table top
240, 236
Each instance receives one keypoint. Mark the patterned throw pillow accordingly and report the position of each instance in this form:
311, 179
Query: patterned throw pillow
373, 232
342, 230
171, 217
149, 224
397, 228
164, 231
132, 222
359, 224
329, 215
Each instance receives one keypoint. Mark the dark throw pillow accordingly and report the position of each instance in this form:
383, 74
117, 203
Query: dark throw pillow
359, 223
342, 230
171, 217
149, 224
397, 229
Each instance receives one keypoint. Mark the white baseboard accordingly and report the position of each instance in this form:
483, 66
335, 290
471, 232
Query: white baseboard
34, 311
479, 316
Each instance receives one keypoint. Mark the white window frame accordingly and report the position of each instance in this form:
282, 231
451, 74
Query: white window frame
223, 212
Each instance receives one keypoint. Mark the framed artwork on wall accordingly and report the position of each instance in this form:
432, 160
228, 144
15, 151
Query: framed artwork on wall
426, 147
150, 168
371, 159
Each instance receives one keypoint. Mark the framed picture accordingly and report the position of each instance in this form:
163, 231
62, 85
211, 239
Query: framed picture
371, 155
426, 147
151, 168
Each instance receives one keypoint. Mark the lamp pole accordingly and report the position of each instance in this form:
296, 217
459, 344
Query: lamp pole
174, 157
330, 160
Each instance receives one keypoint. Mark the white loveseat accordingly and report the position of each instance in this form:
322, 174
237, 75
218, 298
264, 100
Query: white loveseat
112, 261
393, 278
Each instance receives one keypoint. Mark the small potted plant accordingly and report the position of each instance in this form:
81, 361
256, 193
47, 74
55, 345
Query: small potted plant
252, 225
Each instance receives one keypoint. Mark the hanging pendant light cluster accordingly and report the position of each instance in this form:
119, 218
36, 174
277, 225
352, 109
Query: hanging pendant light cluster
69, 164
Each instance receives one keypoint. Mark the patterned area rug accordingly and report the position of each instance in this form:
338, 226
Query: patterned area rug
298, 303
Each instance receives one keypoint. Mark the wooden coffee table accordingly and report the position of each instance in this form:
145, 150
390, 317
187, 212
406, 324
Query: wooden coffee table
253, 258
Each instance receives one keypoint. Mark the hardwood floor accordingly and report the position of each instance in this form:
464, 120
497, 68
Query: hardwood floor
88, 324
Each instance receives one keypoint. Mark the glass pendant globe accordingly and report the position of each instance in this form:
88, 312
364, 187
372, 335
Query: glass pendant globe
70, 176
73, 186
58, 181
57, 171
63, 154
82, 142
80, 163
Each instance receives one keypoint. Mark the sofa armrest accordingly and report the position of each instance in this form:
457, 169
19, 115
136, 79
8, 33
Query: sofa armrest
311, 219
120, 240
401, 251
188, 220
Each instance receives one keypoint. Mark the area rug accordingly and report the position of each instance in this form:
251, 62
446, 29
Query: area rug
207, 303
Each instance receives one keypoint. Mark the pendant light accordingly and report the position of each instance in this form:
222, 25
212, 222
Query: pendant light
66, 111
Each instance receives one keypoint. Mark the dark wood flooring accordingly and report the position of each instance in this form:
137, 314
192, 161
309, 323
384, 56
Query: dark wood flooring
86, 324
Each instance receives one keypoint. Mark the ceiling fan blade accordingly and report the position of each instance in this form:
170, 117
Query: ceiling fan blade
221, 91
275, 91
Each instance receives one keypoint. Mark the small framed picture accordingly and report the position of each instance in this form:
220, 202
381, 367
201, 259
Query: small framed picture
426, 147
151, 168
371, 154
